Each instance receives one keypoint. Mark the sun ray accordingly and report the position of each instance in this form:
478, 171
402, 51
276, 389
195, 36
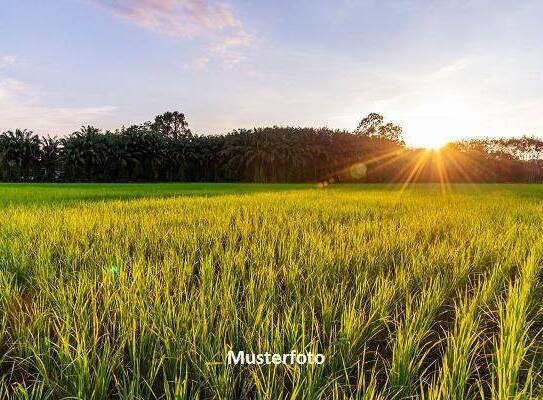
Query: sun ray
392, 160
452, 159
442, 166
404, 170
463, 163
389, 155
415, 172
437, 161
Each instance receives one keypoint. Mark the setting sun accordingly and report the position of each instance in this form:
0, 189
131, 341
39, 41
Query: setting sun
430, 142
434, 143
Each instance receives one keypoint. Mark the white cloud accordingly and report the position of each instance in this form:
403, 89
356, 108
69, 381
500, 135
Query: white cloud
231, 48
7, 61
451, 69
21, 107
188, 19
199, 64
184, 18
13, 89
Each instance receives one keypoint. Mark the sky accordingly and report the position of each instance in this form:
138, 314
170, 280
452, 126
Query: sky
442, 69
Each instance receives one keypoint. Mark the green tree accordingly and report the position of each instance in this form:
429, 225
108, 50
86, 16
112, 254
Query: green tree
373, 126
172, 124
19, 155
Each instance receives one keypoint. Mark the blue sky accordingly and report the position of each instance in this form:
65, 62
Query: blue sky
441, 69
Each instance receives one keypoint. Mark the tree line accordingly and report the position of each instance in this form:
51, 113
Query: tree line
166, 150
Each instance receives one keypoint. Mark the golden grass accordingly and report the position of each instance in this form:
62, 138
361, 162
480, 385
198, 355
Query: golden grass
408, 294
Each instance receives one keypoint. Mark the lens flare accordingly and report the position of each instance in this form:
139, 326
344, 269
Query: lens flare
358, 170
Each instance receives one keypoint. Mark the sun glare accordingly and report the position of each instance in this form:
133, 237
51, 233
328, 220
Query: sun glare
438, 145
431, 142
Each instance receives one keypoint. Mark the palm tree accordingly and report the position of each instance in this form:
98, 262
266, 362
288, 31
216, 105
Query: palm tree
49, 158
19, 155
86, 153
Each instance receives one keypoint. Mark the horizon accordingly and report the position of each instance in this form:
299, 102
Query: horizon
432, 68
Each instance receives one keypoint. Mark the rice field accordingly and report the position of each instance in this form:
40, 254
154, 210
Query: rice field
140, 291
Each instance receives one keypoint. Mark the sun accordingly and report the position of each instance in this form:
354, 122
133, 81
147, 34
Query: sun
430, 142
435, 145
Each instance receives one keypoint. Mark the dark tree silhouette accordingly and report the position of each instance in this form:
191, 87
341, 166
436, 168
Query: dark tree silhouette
171, 124
373, 125
166, 151
19, 155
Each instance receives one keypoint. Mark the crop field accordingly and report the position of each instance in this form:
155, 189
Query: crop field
140, 291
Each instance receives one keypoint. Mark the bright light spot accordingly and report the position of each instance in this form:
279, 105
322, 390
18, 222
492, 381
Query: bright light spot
434, 143
358, 170
429, 140
438, 117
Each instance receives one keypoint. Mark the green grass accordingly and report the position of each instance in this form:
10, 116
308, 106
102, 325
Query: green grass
139, 291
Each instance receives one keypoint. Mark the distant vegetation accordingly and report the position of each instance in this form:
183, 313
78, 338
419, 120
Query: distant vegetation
166, 151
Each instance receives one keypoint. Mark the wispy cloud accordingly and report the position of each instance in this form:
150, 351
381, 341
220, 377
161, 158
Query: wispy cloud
184, 18
21, 106
217, 22
198, 64
231, 48
451, 69
6, 61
